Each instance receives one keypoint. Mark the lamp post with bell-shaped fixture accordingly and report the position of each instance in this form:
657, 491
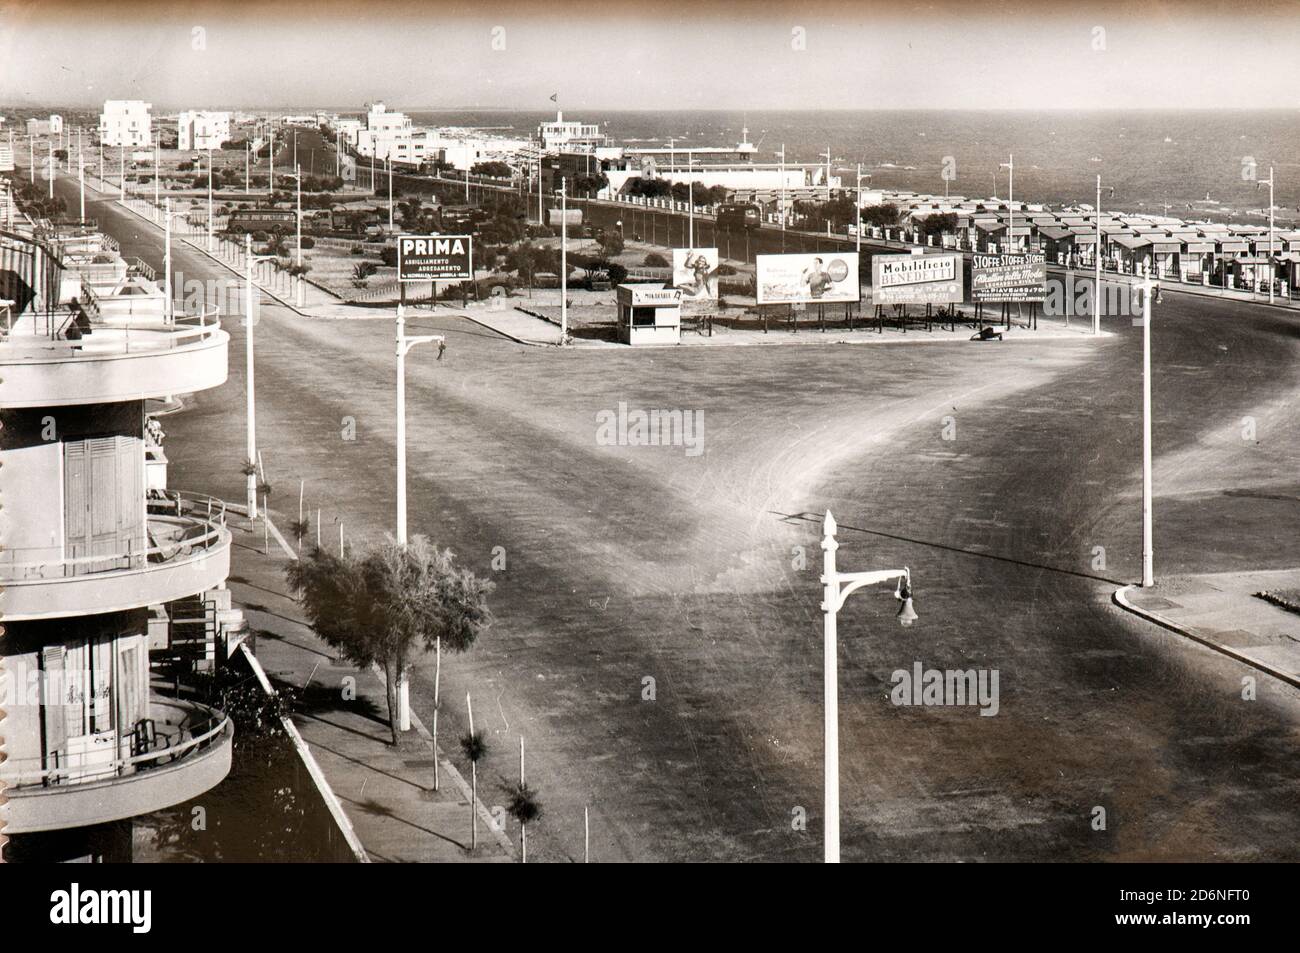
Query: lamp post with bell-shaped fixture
837, 588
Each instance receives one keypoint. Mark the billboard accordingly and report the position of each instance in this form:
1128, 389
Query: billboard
1009, 277
695, 275
434, 258
811, 278
917, 279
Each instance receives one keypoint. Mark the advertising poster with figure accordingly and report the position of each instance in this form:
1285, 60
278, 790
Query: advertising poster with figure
811, 278
695, 275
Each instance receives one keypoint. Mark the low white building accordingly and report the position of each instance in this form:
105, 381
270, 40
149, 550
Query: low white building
126, 122
197, 129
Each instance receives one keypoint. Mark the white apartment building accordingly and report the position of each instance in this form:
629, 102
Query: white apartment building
198, 129
561, 136
126, 122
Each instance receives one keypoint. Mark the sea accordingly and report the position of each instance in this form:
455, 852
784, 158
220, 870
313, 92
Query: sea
1190, 164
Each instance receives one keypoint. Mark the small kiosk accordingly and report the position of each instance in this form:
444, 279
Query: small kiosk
649, 315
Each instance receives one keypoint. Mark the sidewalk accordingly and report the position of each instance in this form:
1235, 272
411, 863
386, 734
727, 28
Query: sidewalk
385, 792
525, 328
1220, 610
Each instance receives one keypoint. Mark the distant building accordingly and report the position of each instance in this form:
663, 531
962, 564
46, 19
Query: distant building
45, 127
126, 122
561, 136
202, 130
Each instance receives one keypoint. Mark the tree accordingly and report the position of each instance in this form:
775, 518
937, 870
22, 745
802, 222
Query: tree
611, 242
938, 224
496, 170
881, 216
384, 605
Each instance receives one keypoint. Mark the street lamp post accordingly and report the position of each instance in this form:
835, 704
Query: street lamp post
1148, 558
690, 197
209, 199
781, 210
249, 384
564, 263
838, 586
404, 344
1010, 166
1271, 265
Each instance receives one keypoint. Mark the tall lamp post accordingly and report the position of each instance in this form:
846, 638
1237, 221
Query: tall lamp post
209, 199
249, 385
1271, 265
564, 262
838, 586
1148, 569
404, 344
782, 206
1010, 166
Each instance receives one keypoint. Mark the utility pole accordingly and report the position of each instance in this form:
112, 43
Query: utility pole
1096, 268
167, 260
157, 168
564, 263
1011, 198
50, 161
404, 344
209, 199
1148, 570
249, 383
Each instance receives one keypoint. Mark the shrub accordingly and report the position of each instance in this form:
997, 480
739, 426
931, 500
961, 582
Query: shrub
655, 260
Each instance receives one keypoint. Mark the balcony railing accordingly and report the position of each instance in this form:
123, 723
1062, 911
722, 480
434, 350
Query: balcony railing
170, 539
174, 731
44, 333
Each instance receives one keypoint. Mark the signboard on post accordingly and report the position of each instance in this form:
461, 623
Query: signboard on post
810, 278
917, 279
435, 258
1014, 278
695, 274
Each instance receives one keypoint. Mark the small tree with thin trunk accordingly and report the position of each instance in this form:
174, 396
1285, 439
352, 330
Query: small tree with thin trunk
384, 605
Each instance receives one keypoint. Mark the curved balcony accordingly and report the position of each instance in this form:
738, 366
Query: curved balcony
120, 359
182, 555
180, 751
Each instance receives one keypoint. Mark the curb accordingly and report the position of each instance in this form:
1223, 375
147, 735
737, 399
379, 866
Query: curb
1120, 597
313, 769
505, 334
220, 261
483, 813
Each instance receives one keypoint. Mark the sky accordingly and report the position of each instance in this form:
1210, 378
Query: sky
653, 54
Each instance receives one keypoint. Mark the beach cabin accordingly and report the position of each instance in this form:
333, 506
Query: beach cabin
649, 315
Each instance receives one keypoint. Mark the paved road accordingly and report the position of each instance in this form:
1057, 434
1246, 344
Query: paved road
628, 563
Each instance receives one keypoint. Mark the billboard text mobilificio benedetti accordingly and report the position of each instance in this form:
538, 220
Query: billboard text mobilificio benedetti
816, 278
1009, 278
917, 279
435, 258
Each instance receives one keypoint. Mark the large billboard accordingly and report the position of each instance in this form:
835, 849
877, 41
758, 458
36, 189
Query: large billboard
917, 279
1014, 278
435, 258
695, 274
812, 278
